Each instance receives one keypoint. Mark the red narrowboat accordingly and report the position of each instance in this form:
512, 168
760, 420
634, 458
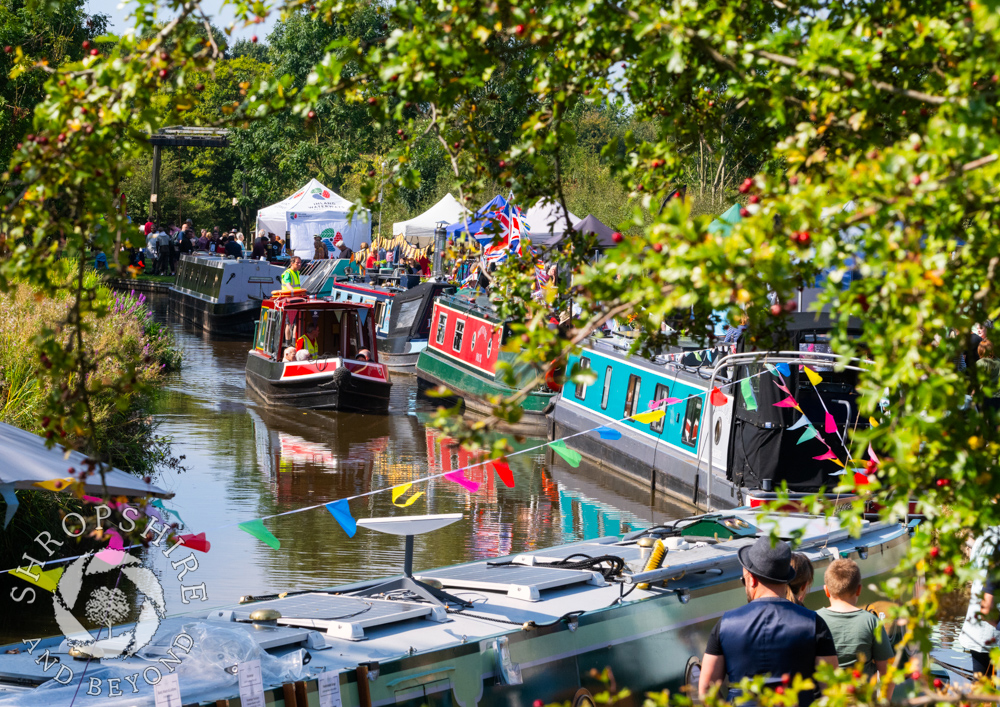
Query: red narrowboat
318, 354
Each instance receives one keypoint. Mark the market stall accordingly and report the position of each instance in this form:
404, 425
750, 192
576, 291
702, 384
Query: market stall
315, 210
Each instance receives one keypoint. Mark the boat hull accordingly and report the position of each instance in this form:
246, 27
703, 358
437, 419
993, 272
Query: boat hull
400, 354
223, 319
328, 390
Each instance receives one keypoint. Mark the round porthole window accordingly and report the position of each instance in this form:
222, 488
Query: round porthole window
718, 431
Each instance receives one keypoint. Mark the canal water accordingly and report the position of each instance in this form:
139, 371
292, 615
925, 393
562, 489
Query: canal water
244, 461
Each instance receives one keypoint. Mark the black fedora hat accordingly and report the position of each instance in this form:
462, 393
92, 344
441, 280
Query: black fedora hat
767, 562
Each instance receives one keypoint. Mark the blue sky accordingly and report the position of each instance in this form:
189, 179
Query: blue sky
221, 17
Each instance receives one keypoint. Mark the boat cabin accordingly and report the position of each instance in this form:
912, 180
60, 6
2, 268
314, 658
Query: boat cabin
344, 329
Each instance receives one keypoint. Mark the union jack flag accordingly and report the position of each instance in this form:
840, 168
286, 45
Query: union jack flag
512, 233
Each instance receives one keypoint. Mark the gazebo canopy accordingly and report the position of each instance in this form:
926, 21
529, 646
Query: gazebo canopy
419, 230
724, 224
315, 210
547, 221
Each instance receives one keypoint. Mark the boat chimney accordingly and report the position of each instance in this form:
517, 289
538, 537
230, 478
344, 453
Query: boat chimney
440, 238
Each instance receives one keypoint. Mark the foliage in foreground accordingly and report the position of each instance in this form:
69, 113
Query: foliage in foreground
877, 135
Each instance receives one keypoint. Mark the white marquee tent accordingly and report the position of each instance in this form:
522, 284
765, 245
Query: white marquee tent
419, 230
547, 221
312, 211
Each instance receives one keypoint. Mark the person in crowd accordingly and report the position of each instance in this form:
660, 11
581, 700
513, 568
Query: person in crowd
734, 333
319, 250
289, 354
186, 244
202, 243
163, 242
241, 240
290, 279
979, 631
988, 372
149, 227
233, 248
804, 574
275, 246
151, 254
858, 634
345, 252
308, 340
260, 246
770, 635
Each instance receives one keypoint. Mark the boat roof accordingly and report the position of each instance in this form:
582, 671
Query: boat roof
507, 594
308, 302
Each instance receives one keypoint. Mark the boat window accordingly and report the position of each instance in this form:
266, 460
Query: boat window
456, 342
581, 388
607, 388
662, 391
354, 340
442, 321
408, 312
692, 419
632, 396
262, 328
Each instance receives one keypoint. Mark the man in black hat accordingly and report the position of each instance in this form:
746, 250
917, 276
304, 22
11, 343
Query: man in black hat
769, 636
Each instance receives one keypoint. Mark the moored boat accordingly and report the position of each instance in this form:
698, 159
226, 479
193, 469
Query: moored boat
541, 625
344, 372
466, 343
408, 325
222, 295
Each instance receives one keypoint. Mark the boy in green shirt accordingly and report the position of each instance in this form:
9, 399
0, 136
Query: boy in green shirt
858, 634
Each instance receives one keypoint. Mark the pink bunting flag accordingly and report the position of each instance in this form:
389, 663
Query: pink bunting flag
871, 454
831, 425
783, 388
826, 456
459, 478
788, 402
671, 401
114, 553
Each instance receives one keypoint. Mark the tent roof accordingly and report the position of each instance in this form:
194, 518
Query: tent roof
724, 223
27, 460
314, 196
447, 210
592, 224
547, 218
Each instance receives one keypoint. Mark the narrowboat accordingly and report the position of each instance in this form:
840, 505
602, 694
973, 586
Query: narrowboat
222, 295
720, 455
463, 353
343, 374
408, 325
539, 626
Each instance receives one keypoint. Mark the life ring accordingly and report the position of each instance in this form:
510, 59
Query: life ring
583, 698
552, 378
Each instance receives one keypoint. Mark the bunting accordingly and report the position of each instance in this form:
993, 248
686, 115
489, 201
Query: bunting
788, 402
829, 455
47, 579
749, 399
459, 478
808, 433
157, 503
399, 491
196, 542
608, 433
10, 496
114, 553
649, 417
341, 512
801, 422
55, 484
813, 376
503, 470
830, 426
571, 456
257, 529
718, 398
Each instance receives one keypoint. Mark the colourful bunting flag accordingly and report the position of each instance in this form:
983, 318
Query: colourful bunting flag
871, 454
813, 376
830, 427
649, 417
169, 511
114, 553
459, 478
783, 369
10, 496
504, 471
801, 422
749, 399
608, 433
47, 579
788, 402
56, 484
671, 401
571, 456
771, 369
257, 529
783, 388
839, 463
718, 398
341, 512
826, 456
697, 355
196, 542
808, 433
860, 479
398, 491
873, 422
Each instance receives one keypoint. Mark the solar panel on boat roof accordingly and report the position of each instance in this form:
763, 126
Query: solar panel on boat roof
628, 553
344, 616
520, 582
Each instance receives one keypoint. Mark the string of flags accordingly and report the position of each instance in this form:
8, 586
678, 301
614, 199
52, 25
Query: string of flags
341, 511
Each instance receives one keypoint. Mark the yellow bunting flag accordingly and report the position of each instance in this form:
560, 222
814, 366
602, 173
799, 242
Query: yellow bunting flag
47, 579
814, 377
398, 491
56, 484
839, 463
873, 422
648, 417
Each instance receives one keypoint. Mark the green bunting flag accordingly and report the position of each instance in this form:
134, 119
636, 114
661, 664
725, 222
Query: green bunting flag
571, 456
748, 397
808, 433
257, 529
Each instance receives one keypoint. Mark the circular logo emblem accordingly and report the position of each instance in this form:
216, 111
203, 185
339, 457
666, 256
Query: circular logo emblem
295, 215
108, 605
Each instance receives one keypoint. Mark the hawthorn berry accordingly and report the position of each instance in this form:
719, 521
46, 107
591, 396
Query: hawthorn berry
617, 237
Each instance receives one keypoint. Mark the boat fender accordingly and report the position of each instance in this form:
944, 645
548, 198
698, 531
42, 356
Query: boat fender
339, 378
655, 560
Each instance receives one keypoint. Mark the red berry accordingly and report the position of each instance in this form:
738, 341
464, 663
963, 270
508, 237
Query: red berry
779, 690
502, 164
163, 73
658, 247
164, 56
62, 137
940, 482
711, 104
519, 30
200, 87
878, 32
394, 78
793, 180
791, 306
525, 338
786, 678
934, 551
617, 237
623, 64
400, 132
254, 39
94, 52
776, 309
311, 114
537, 703
8, 49
804, 237
85, 44
16, 169
855, 674
371, 172
754, 199
744, 188
938, 683
916, 180
372, 100
744, 213
949, 570
863, 302
850, 689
